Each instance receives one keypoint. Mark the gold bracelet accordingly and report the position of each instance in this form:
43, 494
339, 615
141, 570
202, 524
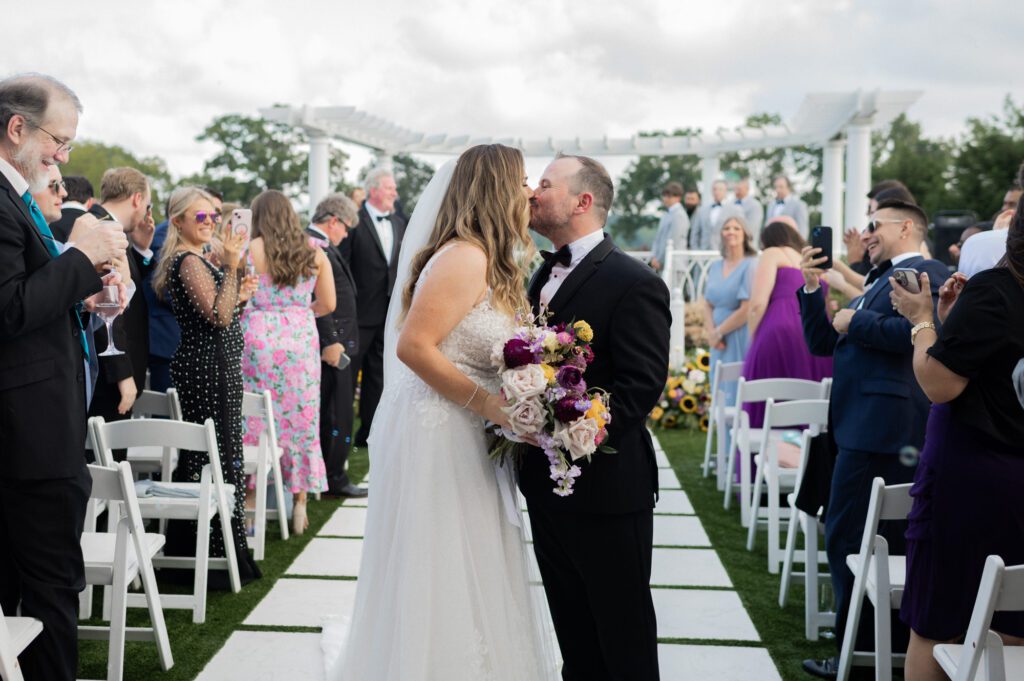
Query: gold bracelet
475, 391
918, 327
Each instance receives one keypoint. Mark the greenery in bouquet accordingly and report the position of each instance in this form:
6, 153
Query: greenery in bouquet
686, 399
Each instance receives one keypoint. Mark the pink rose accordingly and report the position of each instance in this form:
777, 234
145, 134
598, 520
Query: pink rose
524, 382
280, 356
527, 416
579, 438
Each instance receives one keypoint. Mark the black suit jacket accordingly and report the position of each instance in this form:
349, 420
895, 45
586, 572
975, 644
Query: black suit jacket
374, 277
62, 228
131, 331
42, 369
627, 305
341, 326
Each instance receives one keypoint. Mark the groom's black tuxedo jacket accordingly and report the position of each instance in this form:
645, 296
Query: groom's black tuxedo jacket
627, 305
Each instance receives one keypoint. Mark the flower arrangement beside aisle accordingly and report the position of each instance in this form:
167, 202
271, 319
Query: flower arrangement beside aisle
687, 396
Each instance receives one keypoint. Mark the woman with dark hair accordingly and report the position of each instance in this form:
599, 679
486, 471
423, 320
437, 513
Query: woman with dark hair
777, 347
282, 348
967, 485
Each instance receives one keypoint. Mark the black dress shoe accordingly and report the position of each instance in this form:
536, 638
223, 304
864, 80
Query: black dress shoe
823, 669
349, 491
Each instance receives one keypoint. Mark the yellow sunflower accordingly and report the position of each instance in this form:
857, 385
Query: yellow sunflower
704, 424
670, 421
657, 413
703, 360
688, 404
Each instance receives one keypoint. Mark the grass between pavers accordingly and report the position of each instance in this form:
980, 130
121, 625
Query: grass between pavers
781, 630
194, 645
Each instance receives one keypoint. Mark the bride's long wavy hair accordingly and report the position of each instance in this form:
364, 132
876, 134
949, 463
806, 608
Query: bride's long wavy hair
485, 205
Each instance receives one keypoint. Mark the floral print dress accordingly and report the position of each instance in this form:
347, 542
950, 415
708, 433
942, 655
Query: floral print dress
282, 354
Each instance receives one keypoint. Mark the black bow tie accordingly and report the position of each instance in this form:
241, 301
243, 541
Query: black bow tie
716, 204
382, 218
563, 256
780, 202
739, 202
877, 272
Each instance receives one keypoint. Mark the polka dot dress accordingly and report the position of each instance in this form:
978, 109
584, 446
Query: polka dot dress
206, 370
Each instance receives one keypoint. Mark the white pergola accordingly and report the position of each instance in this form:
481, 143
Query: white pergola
840, 123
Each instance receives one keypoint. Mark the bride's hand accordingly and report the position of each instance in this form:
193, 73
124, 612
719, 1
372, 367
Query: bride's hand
493, 410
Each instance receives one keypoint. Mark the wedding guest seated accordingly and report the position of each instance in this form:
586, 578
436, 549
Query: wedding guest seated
777, 349
967, 485
727, 298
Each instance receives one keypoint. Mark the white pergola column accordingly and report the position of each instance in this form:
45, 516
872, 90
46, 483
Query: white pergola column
384, 159
832, 191
710, 167
858, 172
319, 167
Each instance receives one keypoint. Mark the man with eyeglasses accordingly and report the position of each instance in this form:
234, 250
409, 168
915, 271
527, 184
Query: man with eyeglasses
126, 199
877, 408
78, 202
333, 217
44, 374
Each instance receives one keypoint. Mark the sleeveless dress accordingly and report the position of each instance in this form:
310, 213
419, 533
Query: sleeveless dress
443, 592
206, 371
725, 294
282, 354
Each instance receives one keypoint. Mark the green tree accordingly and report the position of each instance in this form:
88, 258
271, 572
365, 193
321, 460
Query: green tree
639, 192
91, 159
903, 153
986, 160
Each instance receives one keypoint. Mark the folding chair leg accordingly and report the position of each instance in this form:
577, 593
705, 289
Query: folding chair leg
260, 524
156, 614
755, 507
790, 554
722, 438
118, 608
229, 545
707, 449
883, 638
730, 466
774, 524
745, 491
811, 586
282, 514
852, 622
202, 572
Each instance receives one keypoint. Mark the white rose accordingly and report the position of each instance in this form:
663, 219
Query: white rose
524, 382
689, 386
697, 376
578, 437
527, 416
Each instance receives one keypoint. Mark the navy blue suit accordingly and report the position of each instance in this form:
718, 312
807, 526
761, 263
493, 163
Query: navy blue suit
877, 409
164, 332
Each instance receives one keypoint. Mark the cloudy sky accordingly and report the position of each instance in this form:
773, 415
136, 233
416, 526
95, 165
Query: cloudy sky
153, 74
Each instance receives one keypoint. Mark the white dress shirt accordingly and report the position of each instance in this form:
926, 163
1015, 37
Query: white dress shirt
903, 257
580, 249
385, 230
776, 208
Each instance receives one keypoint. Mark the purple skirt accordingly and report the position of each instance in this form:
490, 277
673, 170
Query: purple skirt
967, 506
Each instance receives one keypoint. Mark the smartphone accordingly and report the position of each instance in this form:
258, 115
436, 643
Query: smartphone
821, 237
241, 223
908, 279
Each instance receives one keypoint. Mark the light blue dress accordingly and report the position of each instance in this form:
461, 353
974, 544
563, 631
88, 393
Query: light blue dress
725, 294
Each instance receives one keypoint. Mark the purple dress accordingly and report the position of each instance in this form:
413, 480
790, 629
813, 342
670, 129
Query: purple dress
778, 349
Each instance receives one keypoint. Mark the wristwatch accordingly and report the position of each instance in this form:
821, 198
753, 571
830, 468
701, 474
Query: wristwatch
918, 327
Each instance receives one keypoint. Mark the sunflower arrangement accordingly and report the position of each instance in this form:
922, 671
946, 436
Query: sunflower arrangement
687, 396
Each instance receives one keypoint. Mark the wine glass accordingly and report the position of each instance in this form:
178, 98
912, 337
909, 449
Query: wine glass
108, 308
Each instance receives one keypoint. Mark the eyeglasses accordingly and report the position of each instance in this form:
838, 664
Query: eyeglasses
873, 225
202, 216
56, 185
62, 145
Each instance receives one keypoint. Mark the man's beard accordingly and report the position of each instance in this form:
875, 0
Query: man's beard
27, 161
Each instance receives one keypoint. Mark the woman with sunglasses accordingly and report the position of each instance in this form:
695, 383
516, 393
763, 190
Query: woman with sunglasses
206, 367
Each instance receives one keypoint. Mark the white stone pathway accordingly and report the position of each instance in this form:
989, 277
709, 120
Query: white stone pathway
693, 597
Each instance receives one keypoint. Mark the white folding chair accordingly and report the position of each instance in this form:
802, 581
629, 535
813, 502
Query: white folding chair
720, 417
1002, 588
263, 460
208, 497
15, 635
778, 480
743, 449
813, 559
879, 577
115, 559
155, 459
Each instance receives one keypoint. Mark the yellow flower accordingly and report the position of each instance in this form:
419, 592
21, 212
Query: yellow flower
549, 373
670, 421
550, 342
688, 404
596, 412
583, 331
703, 360
674, 382
657, 413
704, 423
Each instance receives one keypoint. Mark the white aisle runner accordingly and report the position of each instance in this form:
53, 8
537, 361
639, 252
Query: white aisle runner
693, 597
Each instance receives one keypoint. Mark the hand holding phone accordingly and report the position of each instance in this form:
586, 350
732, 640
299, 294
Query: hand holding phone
241, 224
821, 237
908, 279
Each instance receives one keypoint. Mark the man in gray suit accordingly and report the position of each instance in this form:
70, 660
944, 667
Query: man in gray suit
674, 225
788, 203
707, 226
753, 211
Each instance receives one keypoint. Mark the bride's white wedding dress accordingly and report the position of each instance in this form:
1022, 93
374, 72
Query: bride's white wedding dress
443, 593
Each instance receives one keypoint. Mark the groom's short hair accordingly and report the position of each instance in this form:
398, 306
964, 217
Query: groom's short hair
594, 179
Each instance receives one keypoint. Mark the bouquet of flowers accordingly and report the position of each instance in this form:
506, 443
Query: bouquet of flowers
542, 376
687, 396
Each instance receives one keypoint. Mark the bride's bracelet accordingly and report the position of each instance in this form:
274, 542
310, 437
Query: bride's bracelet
476, 390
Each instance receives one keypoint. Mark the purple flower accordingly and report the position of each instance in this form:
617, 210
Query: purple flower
588, 354
570, 377
566, 409
517, 352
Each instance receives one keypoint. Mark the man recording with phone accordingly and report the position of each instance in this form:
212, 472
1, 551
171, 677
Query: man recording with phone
877, 408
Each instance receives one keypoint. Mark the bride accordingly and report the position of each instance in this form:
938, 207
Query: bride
443, 592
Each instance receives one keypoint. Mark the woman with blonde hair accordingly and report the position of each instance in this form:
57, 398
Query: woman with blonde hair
443, 591
282, 348
206, 367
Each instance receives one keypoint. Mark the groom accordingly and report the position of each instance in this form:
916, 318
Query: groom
594, 547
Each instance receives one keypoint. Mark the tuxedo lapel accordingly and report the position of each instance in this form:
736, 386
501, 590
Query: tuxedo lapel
20, 205
882, 284
372, 229
579, 275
